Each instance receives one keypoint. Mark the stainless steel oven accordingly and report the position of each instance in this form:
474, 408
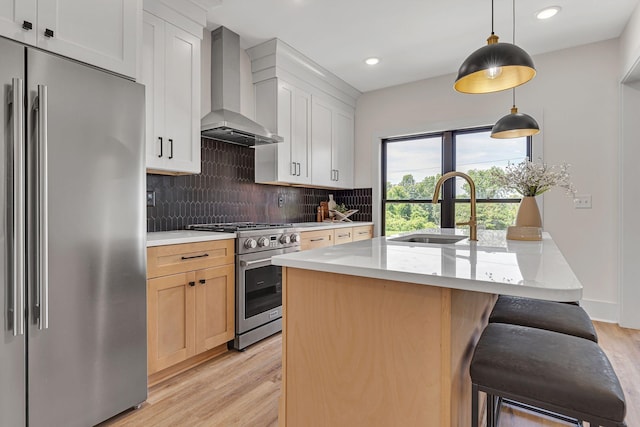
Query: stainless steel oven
258, 282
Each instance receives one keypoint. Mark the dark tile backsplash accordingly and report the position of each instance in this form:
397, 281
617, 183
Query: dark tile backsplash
225, 192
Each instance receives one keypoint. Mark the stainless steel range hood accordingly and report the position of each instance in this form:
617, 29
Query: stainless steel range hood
225, 122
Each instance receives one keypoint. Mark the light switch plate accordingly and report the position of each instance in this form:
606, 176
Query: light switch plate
151, 198
582, 201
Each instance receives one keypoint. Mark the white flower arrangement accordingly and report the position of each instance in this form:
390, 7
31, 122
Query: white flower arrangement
532, 179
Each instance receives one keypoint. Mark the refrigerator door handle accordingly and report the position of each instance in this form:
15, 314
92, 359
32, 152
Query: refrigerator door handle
18, 240
43, 214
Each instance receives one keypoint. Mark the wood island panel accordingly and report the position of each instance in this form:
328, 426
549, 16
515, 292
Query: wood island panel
370, 352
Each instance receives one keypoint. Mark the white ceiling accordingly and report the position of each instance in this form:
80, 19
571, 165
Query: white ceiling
414, 39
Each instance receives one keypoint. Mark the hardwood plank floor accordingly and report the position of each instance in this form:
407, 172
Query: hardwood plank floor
242, 389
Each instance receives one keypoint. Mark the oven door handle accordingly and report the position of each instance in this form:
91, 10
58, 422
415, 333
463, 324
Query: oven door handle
257, 261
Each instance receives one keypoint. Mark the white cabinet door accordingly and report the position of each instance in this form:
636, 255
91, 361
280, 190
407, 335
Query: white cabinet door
170, 70
99, 32
152, 76
15, 18
286, 111
301, 138
182, 100
342, 149
321, 138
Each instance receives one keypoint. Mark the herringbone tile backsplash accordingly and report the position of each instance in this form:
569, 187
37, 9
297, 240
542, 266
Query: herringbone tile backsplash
225, 192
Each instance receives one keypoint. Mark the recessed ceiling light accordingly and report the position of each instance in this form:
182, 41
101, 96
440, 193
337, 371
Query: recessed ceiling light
548, 12
371, 61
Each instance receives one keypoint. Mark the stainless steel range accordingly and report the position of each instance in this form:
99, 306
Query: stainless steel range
258, 282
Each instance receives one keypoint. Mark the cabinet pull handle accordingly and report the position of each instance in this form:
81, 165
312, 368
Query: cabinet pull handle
170, 148
202, 281
337, 174
319, 239
293, 165
48, 33
195, 256
344, 235
299, 169
160, 139
362, 232
27, 25
192, 283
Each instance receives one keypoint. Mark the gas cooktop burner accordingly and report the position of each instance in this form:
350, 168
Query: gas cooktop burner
231, 227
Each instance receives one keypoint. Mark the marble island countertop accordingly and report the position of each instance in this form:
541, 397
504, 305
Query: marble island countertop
491, 265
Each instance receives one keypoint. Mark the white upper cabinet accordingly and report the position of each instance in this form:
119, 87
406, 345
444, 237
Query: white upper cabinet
102, 33
170, 70
332, 145
312, 109
286, 111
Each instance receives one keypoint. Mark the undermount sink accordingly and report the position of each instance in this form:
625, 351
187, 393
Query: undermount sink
438, 239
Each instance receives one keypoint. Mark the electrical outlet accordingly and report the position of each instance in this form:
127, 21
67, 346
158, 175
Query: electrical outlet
280, 200
582, 201
151, 198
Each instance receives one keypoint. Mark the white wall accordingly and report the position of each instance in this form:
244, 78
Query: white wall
575, 97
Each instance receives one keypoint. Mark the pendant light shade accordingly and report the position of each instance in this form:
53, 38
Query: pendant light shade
494, 67
515, 125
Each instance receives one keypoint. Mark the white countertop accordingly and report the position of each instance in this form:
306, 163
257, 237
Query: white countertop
161, 238
491, 265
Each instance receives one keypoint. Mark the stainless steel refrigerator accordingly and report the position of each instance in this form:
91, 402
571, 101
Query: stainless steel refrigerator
72, 233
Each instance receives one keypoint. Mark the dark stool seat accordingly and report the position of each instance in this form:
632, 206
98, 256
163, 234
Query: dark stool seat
548, 370
552, 316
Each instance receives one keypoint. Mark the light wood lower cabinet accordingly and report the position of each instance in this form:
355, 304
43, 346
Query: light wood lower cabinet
364, 232
316, 239
171, 320
190, 313
343, 235
335, 236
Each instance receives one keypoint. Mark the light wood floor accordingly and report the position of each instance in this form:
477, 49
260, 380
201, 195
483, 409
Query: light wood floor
242, 389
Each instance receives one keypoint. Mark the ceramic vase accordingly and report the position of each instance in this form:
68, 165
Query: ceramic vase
528, 213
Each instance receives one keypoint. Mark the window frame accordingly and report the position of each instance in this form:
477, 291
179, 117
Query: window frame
448, 198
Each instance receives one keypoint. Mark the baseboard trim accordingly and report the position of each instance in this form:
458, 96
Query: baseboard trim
601, 311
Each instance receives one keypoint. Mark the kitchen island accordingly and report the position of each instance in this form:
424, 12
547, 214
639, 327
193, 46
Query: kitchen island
381, 332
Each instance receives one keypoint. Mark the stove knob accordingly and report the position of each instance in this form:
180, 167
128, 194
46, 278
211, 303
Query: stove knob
285, 239
295, 237
250, 244
263, 241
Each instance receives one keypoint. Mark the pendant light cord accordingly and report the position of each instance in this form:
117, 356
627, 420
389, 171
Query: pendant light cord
492, 33
513, 8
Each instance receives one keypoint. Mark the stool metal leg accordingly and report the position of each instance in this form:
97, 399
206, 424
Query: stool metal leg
474, 405
491, 410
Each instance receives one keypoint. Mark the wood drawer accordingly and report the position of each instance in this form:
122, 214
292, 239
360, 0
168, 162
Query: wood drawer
343, 235
316, 239
363, 232
173, 259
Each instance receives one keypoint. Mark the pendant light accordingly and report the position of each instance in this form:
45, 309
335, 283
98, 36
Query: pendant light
515, 125
494, 67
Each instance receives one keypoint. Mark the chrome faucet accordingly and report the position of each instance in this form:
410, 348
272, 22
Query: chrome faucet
472, 223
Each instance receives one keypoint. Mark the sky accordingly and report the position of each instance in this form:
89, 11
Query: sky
422, 157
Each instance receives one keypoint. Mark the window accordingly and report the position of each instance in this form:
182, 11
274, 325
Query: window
412, 165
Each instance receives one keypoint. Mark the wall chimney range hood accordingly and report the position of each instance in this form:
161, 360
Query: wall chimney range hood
224, 122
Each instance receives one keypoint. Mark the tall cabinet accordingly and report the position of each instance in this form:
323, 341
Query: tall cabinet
170, 70
98, 32
312, 109
332, 149
288, 161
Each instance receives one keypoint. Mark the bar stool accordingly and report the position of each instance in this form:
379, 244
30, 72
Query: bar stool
548, 370
560, 317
